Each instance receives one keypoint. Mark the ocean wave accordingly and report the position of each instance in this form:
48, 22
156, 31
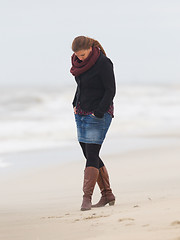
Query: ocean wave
37, 118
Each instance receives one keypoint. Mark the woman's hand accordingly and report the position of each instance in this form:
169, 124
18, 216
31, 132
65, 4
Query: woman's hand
75, 110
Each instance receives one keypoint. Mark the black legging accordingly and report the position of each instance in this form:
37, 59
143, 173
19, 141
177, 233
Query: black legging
91, 153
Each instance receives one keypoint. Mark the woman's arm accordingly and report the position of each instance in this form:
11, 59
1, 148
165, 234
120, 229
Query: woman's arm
75, 98
108, 80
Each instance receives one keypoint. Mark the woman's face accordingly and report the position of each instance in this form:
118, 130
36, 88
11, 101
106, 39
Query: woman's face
83, 54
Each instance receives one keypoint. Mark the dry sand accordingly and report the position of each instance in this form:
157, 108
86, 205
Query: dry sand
44, 203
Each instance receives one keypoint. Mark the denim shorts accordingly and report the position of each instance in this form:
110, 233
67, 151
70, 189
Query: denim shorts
91, 129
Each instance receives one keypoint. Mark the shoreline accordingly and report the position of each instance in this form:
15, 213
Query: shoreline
61, 154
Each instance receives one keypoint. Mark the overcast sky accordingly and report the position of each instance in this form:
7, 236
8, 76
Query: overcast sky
140, 36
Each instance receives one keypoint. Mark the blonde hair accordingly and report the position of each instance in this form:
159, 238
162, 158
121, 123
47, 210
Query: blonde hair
83, 43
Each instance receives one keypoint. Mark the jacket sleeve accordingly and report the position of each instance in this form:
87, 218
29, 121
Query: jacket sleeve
108, 80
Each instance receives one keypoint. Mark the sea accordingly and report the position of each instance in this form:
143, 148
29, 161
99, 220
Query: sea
37, 118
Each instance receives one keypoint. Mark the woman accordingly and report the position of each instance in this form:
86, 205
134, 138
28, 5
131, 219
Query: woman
93, 108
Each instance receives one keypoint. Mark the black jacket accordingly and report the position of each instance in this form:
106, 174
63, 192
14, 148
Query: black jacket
96, 87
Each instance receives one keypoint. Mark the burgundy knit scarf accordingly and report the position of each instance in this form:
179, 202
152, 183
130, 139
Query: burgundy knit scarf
79, 67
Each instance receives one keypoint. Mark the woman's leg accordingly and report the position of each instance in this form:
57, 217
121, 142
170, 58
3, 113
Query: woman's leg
93, 161
91, 153
91, 172
83, 146
107, 197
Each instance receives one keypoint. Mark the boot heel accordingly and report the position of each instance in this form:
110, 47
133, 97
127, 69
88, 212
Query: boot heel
112, 203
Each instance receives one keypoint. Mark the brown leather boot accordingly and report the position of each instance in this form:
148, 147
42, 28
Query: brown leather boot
90, 179
104, 185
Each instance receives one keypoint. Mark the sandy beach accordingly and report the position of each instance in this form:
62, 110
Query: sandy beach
43, 202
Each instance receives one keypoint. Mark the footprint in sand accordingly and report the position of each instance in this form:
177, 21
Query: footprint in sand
77, 220
145, 225
136, 206
93, 216
176, 223
125, 219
